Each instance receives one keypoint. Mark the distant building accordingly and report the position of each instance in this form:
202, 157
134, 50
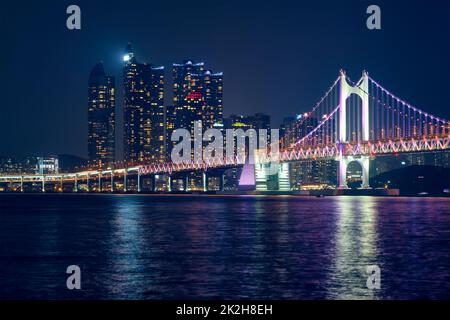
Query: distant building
238, 122
286, 125
143, 103
47, 165
101, 117
256, 121
30, 165
294, 128
442, 159
14, 166
387, 163
314, 174
261, 121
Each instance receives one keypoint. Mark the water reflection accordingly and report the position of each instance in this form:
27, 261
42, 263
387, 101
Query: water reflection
126, 248
175, 247
355, 248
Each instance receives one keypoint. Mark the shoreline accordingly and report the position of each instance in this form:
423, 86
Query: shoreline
232, 194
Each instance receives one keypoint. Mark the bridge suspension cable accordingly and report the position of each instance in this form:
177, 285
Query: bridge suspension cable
393, 118
307, 121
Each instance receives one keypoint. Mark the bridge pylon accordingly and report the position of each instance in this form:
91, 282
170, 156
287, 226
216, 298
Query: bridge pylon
361, 89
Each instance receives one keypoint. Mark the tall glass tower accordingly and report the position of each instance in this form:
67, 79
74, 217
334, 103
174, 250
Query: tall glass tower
143, 104
211, 88
187, 95
101, 117
197, 95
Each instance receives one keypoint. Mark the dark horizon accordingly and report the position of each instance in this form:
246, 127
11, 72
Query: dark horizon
277, 58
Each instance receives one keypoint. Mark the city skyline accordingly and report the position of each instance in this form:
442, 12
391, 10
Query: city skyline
286, 77
229, 157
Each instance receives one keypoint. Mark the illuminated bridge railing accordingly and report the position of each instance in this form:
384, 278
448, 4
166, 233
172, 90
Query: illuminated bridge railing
172, 167
398, 146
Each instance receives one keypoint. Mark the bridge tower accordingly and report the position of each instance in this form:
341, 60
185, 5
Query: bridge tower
346, 90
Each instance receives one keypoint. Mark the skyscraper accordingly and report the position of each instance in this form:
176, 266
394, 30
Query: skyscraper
153, 124
210, 86
197, 95
143, 103
101, 117
293, 129
170, 121
187, 97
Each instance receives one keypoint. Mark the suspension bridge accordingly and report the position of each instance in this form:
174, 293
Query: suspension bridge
353, 121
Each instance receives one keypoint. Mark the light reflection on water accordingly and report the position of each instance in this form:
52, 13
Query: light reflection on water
125, 247
356, 248
174, 247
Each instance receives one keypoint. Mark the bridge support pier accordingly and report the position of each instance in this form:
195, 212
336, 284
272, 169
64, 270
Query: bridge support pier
363, 161
204, 181
125, 180
139, 182
260, 177
284, 183
112, 181
169, 184
264, 170
186, 183
87, 183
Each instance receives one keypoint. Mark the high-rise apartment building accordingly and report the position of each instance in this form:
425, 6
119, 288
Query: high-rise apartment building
143, 103
197, 95
101, 117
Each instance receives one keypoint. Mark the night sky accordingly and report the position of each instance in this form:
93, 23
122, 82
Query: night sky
278, 57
